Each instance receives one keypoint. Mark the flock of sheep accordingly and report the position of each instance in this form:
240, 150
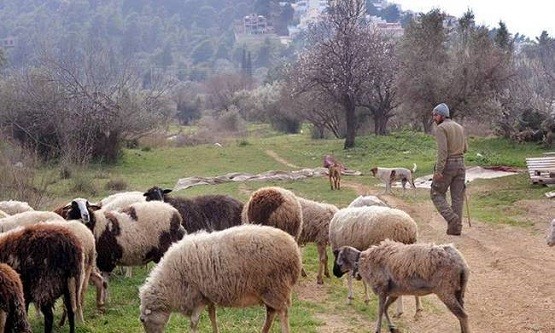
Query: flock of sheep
202, 247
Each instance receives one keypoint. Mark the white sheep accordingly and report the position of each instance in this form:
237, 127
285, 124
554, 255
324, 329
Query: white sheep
130, 236
12, 207
237, 267
362, 227
3, 214
393, 269
551, 234
27, 218
121, 199
367, 200
316, 221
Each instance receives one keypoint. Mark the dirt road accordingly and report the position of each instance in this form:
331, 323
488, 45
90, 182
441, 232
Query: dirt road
512, 283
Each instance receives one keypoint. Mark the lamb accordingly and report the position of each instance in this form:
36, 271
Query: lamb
276, 207
13, 317
316, 220
12, 207
551, 234
206, 212
85, 237
393, 269
49, 260
27, 218
361, 227
241, 266
367, 200
130, 236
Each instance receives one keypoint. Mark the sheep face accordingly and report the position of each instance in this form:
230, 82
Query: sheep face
154, 321
79, 209
346, 260
551, 234
156, 193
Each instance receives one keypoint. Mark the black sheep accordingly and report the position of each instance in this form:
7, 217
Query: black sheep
206, 212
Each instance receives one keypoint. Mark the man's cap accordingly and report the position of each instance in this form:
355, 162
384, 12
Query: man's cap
442, 109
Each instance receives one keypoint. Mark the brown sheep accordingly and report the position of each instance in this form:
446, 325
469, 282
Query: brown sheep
49, 260
12, 305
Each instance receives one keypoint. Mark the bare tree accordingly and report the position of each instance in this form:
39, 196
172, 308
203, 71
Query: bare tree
221, 89
339, 62
79, 105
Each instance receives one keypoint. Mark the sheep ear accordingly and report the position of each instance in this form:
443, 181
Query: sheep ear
166, 191
94, 207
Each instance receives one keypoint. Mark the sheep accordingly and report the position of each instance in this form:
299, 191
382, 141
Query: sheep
3, 214
27, 218
85, 237
12, 207
90, 271
241, 266
131, 236
316, 220
277, 207
49, 260
121, 199
551, 234
393, 269
367, 200
361, 227
206, 212
12, 305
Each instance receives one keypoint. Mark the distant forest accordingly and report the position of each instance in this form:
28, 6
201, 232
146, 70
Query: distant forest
194, 38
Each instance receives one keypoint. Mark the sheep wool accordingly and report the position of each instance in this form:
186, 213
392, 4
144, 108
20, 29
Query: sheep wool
393, 269
276, 207
49, 260
27, 218
361, 227
367, 200
135, 235
205, 212
12, 207
316, 220
238, 267
12, 305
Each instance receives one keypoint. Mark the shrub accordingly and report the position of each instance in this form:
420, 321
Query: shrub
116, 185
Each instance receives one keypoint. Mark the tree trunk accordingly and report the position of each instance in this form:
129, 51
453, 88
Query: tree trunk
350, 117
380, 124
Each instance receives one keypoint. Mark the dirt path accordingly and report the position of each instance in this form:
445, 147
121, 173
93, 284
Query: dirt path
511, 286
512, 282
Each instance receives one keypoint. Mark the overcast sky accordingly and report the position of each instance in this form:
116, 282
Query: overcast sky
529, 17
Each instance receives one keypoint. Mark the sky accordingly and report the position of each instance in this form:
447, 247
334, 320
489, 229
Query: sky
528, 18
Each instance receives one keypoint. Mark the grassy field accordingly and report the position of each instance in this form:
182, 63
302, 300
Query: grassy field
163, 166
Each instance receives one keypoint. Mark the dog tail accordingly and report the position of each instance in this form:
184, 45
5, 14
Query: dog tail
414, 168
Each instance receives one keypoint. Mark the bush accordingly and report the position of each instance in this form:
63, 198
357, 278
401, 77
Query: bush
116, 185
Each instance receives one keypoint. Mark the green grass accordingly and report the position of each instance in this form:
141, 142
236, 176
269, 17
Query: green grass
491, 201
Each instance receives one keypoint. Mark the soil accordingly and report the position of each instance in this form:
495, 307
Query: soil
511, 286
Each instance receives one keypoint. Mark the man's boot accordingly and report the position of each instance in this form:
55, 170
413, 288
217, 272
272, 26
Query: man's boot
454, 227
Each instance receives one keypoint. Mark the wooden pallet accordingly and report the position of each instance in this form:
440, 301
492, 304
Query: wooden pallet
542, 169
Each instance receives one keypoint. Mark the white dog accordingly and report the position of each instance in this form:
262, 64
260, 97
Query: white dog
390, 175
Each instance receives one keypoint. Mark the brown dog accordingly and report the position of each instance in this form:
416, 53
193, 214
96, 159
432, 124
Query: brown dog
334, 174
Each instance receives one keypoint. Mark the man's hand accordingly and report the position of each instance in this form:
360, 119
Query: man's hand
438, 177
